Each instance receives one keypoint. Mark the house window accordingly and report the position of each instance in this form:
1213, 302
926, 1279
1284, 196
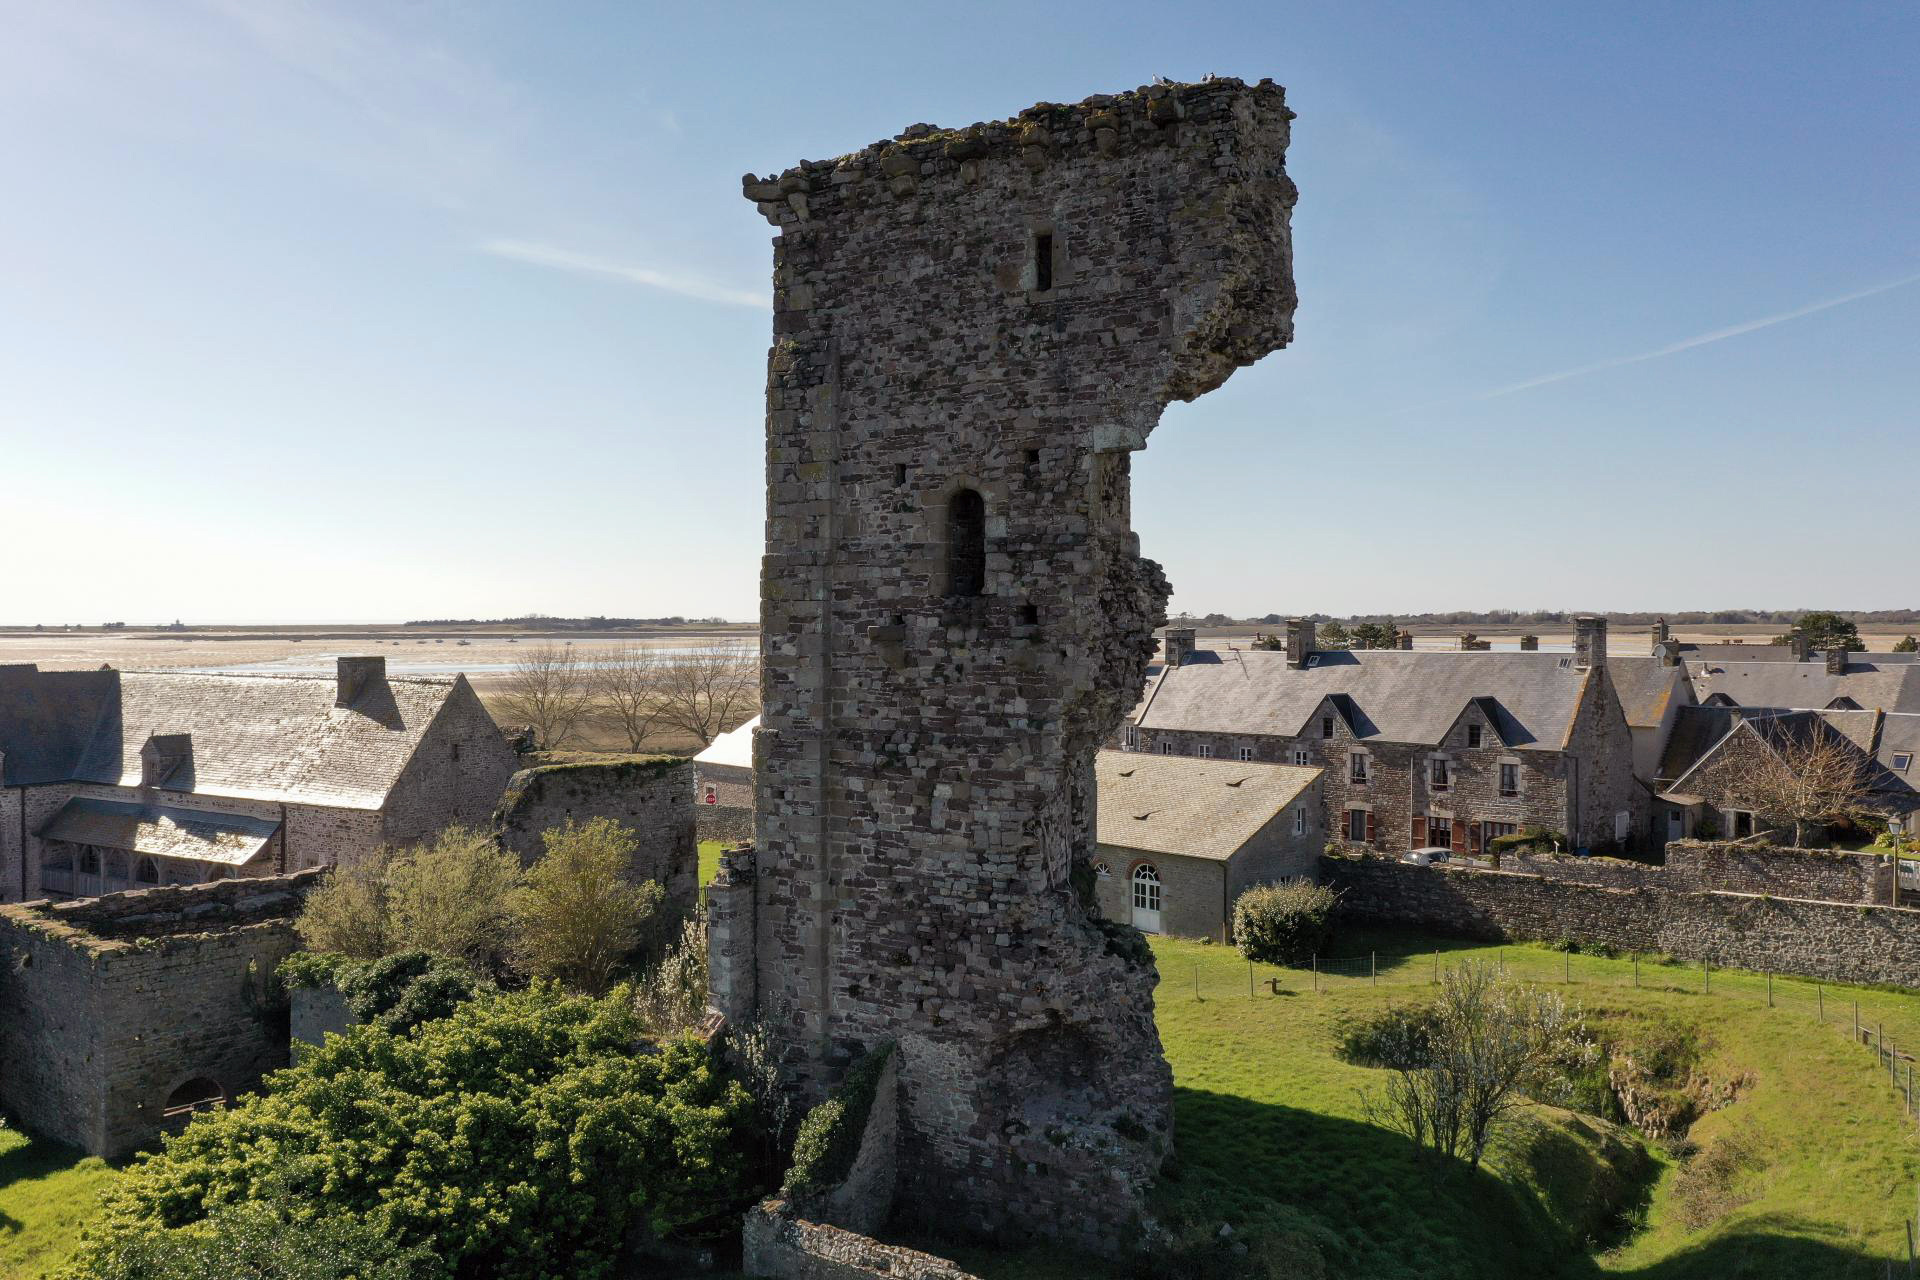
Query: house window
1509, 779
1166, 748
89, 860
1102, 870
1302, 757
966, 543
1438, 777
1326, 726
1246, 753
146, 871
1204, 750
1742, 823
1357, 767
1494, 830
1440, 832
1130, 738
1299, 820
1473, 735
1357, 825
1902, 759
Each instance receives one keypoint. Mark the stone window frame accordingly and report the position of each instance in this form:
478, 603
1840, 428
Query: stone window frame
1302, 758
1203, 750
1361, 776
934, 530
1326, 728
1439, 772
1299, 819
1059, 260
1476, 735
1346, 827
1519, 778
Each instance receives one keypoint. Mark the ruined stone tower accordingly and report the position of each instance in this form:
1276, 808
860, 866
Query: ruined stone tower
973, 330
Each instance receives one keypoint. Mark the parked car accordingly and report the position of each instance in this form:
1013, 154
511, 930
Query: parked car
1427, 856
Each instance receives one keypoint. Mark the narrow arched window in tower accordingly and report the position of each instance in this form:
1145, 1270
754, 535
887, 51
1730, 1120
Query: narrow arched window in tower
966, 544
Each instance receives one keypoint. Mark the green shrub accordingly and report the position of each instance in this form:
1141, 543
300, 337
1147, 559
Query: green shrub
829, 1138
399, 992
1537, 839
526, 1135
1397, 1036
260, 1242
1284, 923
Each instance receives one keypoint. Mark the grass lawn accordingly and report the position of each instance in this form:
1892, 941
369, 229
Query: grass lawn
47, 1193
1272, 1132
709, 863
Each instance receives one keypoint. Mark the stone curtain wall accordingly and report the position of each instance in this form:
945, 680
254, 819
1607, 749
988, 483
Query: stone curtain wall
107, 1005
1694, 866
985, 321
652, 796
1834, 941
778, 1243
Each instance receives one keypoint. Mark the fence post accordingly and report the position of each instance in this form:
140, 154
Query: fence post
1249, 979
1636, 968
1769, 988
1316, 977
1373, 967
1566, 966
1820, 1000
1436, 968
1706, 977
1856, 1022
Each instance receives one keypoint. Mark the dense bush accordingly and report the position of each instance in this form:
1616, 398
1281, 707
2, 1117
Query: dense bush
1535, 839
1285, 923
526, 1135
396, 992
578, 917
258, 1242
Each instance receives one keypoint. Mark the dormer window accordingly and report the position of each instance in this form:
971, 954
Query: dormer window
1326, 726
1473, 735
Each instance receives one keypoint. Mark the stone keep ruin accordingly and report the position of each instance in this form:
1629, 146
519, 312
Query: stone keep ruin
973, 330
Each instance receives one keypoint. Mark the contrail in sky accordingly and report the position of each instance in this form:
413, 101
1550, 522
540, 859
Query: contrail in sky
1701, 340
565, 260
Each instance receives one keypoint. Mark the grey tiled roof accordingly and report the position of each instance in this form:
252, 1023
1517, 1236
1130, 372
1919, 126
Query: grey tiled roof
1646, 687
1189, 806
226, 838
269, 737
1806, 686
1395, 695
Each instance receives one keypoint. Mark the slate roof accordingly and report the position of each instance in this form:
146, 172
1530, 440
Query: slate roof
267, 737
1393, 695
1188, 806
1696, 730
164, 830
1699, 732
1805, 686
1696, 654
1647, 686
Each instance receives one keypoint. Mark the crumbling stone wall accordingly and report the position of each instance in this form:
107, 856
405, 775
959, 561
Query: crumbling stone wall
107, 1005
973, 329
652, 796
1836, 941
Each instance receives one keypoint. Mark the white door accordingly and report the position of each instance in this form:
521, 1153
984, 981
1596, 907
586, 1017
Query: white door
1676, 824
1146, 898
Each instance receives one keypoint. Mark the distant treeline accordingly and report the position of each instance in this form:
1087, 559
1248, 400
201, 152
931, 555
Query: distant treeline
566, 624
1531, 617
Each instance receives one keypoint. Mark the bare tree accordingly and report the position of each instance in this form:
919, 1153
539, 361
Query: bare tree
708, 691
548, 689
1797, 772
1486, 1047
628, 684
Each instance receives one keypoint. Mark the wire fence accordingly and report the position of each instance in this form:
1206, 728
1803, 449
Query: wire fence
1883, 1023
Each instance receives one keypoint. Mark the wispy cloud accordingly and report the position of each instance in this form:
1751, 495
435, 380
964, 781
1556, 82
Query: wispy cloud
1700, 340
543, 255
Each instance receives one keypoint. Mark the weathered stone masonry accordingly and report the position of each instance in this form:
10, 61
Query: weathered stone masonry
652, 796
973, 330
109, 1006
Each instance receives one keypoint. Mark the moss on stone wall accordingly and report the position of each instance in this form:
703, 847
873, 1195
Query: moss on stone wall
829, 1138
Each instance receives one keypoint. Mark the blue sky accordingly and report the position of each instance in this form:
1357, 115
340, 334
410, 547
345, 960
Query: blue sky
366, 311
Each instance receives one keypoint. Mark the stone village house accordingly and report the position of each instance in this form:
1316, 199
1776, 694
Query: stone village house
1425, 748
113, 780
1180, 838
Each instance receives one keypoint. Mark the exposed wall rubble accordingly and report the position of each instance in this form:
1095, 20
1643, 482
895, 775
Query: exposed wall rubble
652, 796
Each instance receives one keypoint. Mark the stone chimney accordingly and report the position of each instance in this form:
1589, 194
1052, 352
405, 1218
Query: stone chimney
1798, 642
1668, 651
1589, 642
1529, 644
1466, 641
162, 755
1178, 645
1299, 641
1836, 662
1660, 634
354, 676
1403, 639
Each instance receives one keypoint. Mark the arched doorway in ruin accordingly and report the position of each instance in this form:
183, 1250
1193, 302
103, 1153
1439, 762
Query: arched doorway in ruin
191, 1097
